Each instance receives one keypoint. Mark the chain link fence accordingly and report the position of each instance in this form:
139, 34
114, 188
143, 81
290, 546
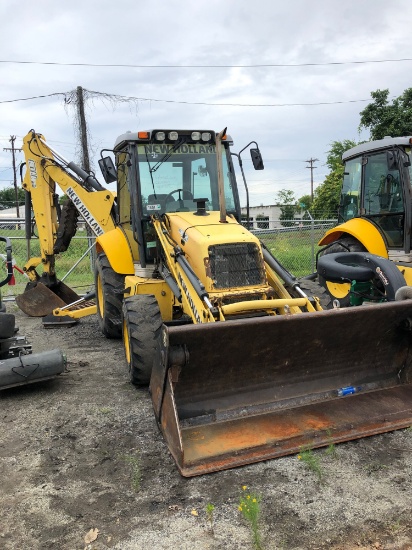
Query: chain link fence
292, 242
74, 267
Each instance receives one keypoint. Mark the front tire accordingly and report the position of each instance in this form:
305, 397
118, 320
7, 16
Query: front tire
108, 283
142, 323
313, 288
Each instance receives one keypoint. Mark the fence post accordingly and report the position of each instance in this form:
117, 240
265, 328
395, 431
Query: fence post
312, 240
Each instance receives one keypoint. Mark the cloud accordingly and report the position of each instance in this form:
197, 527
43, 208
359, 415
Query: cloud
212, 33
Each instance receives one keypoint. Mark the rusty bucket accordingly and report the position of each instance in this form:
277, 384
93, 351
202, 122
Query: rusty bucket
237, 392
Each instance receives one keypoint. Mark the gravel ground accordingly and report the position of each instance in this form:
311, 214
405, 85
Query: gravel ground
83, 453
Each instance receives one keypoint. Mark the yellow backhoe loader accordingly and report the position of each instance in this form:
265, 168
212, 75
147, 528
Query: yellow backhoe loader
245, 362
367, 257
56, 225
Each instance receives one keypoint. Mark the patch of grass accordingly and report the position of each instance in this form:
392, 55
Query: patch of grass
210, 508
249, 507
374, 466
311, 461
134, 462
331, 450
105, 410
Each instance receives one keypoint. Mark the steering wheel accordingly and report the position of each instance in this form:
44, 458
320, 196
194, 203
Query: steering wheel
184, 191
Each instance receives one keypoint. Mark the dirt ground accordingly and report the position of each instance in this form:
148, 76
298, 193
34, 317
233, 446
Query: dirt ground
83, 452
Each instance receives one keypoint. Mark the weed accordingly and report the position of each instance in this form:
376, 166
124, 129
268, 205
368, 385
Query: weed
210, 508
396, 526
311, 461
105, 410
249, 506
136, 471
331, 450
373, 467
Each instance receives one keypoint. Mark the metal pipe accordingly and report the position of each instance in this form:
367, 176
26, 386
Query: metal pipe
85, 176
255, 305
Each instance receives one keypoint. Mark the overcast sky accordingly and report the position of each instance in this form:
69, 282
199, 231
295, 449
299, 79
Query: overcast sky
170, 36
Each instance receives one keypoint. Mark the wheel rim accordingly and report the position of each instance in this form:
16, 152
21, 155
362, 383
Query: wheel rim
126, 342
338, 290
100, 303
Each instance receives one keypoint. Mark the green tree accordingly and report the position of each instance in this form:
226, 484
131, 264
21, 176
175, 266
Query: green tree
287, 201
385, 118
8, 197
326, 199
304, 203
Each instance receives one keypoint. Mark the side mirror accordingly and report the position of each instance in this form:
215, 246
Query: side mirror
107, 169
257, 159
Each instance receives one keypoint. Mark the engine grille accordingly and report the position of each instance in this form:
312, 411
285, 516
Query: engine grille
236, 265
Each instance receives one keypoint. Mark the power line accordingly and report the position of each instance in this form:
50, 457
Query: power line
34, 97
245, 66
131, 98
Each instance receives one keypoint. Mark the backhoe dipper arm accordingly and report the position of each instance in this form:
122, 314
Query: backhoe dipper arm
46, 168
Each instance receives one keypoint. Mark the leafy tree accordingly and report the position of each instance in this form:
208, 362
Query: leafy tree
287, 201
384, 118
303, 205
326, 199
8, 197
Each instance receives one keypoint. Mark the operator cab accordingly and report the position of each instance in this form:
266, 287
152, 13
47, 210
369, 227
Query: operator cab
173, 168
377, 186
169, 171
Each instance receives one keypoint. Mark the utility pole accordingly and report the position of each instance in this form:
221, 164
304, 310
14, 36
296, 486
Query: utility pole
311, 167
13, 150
83, 130
85, 160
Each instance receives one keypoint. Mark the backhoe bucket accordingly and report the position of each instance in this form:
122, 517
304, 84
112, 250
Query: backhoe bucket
237, 392
40, 300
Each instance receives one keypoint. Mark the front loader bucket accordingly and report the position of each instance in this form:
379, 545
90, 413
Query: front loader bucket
41, 300
236, 392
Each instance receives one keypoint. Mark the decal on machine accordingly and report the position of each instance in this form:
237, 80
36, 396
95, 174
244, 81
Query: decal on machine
88, 218
33, 172
189, 299
382, 276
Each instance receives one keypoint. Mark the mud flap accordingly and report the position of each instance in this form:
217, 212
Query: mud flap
237, 392
41, 300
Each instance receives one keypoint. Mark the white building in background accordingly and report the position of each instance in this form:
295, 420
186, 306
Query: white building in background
11, 212
263, 217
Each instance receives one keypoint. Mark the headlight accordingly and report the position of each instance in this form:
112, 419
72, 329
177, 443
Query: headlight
160, 136
206, 136
195, 136
173, 136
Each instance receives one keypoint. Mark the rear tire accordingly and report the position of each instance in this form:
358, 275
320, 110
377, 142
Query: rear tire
313, 288
345, 244
142, 323
109, 302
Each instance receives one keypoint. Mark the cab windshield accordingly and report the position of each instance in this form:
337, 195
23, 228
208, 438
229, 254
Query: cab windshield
171, 180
